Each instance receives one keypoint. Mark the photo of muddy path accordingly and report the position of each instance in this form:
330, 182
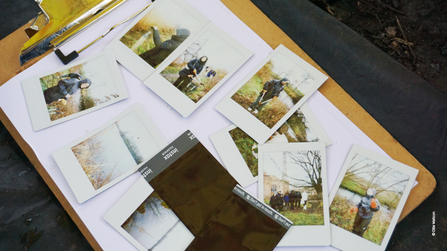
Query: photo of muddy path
115, 150
367, 198
293, 185
153, 224
274, 89
296, 129
202, 65
160, 32
78, 88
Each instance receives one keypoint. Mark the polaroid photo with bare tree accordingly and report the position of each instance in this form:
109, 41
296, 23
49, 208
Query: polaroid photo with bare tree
110, 153
367, 199
145, 220
239, 152
271, 93
74, 90
155, 34
192, 74
294, 182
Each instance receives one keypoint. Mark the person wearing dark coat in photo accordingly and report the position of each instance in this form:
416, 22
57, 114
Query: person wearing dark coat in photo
68, 85
273, 201
298, 199
192, 69
162, 50
271, 90
364, 212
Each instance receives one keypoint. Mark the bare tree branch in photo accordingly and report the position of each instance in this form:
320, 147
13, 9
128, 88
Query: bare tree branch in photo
310, 161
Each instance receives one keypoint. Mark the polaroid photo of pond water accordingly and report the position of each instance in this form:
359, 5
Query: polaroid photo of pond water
367, 199
146, 221
155, 34
239, 152
192, 74
110, 153
294, 182
74, 90
271, 93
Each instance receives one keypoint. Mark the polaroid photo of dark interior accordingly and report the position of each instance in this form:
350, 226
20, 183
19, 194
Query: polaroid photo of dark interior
239, 152
110, 153
367, 200
271, 93
294, 183
191, 75
145, 220
155, 34
74, 90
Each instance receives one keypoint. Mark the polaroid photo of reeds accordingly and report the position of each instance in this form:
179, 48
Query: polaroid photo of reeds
146, 221
271, 93
293, 181
155, 34
110, 153
239, 152
367, 199
74, 90
192, 74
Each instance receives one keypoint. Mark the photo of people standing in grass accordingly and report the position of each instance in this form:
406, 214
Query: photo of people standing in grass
292, 185
275, 89
160, 32
202, 65
78, 88
115, 150
367, 198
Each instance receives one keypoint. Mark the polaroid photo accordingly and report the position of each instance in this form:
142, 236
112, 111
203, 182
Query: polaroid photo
110, 153
155, 34
191, 75
239, 152
294, 182
145, 220
367, 200
271, 93
74, 90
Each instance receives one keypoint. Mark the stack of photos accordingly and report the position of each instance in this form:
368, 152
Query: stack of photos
294, 183
239, 152
74, 90
158, 32
269, 95
193, 73
110, 153
367, 199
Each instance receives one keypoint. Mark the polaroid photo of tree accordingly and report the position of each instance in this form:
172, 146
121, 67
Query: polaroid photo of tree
146, 221
269, 95
159, 31
74, 90
198, 69
367, 199
109, 154
294, 183
239, 152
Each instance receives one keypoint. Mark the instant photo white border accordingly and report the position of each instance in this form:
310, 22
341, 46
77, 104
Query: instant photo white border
72, 170
134, 63
301, 235
127, 205
35, 99
235, 163
248, 123
173, 96
345, 240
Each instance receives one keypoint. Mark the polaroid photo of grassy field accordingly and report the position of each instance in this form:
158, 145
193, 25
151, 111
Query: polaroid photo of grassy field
239, 152
198, 69
269, 95
146, 221
367, 199
159, 31
109, 154
294, 183
74, 90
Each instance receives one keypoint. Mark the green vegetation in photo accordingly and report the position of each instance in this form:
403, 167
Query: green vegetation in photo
245, 145
302, 219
